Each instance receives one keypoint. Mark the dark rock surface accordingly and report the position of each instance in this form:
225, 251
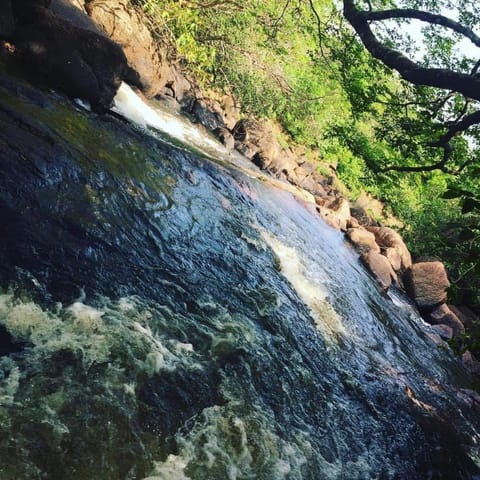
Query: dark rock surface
75, 60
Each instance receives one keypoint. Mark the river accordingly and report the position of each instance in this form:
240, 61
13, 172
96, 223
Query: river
170, 313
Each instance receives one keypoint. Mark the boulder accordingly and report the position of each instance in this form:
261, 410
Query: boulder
426, 283
256, 142
123, 24
330, 217
394, 257
209, 113
230, 111
179, 88
388, 238
301, 172
226, 137
380, 268
353, 223
283, 166
341, 208
169, 102
362, 239
371, 205
75, 60
363, 217
444, 331
313, 184
442, 315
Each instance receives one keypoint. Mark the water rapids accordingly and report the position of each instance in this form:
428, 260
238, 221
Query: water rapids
169, 313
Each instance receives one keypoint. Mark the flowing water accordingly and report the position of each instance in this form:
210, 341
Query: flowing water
168, 314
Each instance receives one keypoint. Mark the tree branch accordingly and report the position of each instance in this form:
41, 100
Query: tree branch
457, 128
424, 17
442, 142
435, 77
441, 165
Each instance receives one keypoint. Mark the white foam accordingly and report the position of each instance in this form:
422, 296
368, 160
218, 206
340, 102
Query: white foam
171, 469
308, 287
128, 104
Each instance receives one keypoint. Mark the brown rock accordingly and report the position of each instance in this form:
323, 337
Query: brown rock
389, 238
380, 268
444, 331
363, 217
353, 223
177, 86
394, 257
312, 185
283, 166
329, 217
426, 283
209, 113
362, 239
256, 142
123, 24
230, 110
225, 137
341, 208
302, 173
443, 315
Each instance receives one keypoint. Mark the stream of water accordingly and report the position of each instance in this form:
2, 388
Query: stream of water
174, 314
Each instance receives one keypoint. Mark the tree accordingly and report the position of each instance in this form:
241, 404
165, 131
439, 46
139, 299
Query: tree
447, 81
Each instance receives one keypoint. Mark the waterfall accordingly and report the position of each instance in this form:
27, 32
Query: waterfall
170, 313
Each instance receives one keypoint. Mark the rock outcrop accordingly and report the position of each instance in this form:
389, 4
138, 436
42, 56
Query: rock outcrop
124, 25
363, 240
393, 245
75, 60
256, 141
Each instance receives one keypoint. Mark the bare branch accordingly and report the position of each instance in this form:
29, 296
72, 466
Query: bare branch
425, 17
457, 128
280, 18
441, 165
